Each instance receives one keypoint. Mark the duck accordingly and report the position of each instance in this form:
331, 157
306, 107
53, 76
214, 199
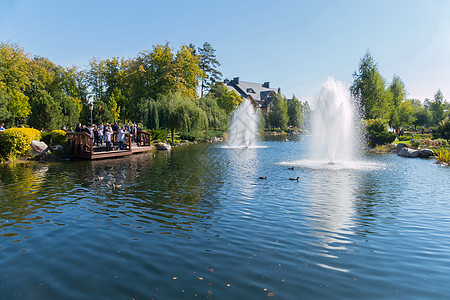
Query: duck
290, 178
291, 168
262, 177
100, 178
117, 186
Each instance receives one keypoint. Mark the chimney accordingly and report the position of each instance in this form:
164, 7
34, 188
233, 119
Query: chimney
266, 84
279, 90
226, 81
236, 80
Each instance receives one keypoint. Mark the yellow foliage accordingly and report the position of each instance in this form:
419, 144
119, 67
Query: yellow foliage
58, 137
17, 141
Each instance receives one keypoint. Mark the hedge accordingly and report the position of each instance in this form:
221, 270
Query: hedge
17, 141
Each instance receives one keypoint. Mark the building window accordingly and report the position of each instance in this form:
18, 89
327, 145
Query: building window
250, 90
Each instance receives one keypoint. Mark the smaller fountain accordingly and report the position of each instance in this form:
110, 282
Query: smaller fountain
243, 127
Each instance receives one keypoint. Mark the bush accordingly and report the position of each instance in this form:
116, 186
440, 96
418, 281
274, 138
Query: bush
191, 136
378, 133
46, 137
58, 137
160, 134
17, 141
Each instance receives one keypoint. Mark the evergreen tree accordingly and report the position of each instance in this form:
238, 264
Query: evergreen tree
278, 115
208, 64
295, 112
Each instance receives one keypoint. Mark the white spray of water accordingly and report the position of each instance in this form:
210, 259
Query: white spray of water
243, 127
334, 127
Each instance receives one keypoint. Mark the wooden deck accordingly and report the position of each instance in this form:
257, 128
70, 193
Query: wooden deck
81, 145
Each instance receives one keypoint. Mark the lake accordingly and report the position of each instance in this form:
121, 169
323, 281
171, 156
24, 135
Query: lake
198, 222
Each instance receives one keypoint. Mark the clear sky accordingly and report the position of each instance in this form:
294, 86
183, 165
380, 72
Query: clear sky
296, 45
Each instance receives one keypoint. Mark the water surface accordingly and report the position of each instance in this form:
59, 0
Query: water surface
197, 221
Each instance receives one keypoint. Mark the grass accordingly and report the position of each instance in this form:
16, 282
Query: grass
443, 155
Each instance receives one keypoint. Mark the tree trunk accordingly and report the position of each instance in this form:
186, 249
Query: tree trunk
171, 132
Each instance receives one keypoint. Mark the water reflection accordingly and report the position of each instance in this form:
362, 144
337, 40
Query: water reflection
332, 207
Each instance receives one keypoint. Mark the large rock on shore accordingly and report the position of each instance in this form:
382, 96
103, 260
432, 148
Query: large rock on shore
408, 152
163, 146
39, 148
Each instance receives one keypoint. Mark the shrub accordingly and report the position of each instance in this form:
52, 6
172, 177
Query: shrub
378, 133
46, 137
17, 141
58, 137
160, 134
191, 136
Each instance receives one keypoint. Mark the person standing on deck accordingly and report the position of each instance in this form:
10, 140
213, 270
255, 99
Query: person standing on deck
108, 139
121, 138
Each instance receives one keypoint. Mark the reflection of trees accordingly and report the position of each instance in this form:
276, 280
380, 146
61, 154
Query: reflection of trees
19, 187
172, 190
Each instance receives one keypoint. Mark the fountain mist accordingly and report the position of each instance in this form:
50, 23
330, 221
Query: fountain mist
335, 132
244, 126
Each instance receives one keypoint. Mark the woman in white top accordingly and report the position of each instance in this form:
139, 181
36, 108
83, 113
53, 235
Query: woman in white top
121, 138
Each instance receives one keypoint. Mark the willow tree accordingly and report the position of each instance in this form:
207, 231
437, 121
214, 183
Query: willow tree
181, 113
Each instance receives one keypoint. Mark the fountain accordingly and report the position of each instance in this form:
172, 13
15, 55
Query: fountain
336, 137
335, 132
243, 127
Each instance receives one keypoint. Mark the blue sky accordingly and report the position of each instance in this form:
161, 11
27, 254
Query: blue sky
296, 45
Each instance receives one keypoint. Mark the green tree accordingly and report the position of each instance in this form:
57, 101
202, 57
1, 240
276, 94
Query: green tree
437, 107
369, 88
188, 72
217, 116
278, 115
181, 113
208, 64
398, 108
226, 99
295, 112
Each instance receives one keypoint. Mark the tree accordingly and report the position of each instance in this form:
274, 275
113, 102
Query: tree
278, 115
295, 112
208, 64
369, 89
437, 107
398, 107
226, 99
188, 72
217, 116
181, 113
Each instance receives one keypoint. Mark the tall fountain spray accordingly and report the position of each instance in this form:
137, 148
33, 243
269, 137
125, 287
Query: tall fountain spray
334, 127
243, 127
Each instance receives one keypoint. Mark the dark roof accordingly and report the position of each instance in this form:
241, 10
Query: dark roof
259, 92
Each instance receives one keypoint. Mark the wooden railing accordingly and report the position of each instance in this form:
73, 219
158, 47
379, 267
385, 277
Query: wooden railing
144, 138
80, 144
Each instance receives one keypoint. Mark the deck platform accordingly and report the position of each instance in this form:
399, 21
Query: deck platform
81, 145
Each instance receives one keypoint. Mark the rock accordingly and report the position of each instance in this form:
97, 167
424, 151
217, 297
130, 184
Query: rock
39, 148
57, 148
407, 152
163, 146
400, 146
426, 153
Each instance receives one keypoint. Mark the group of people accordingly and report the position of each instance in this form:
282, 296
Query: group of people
109, 133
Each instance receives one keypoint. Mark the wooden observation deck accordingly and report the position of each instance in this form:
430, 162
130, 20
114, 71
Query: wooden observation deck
82, 145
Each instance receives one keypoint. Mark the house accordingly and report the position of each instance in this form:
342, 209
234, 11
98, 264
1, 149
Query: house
261, 95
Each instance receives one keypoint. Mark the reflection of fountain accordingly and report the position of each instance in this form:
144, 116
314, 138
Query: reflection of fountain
334, 129
243, 126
